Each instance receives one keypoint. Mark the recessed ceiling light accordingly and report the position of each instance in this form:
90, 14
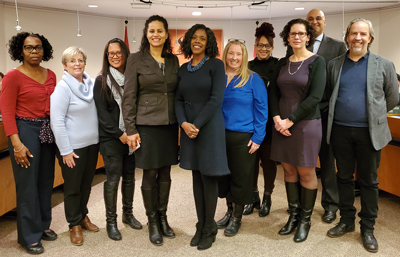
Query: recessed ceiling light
196, 13
92, 6
299, 8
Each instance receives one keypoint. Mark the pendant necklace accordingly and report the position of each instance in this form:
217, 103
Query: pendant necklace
298, 68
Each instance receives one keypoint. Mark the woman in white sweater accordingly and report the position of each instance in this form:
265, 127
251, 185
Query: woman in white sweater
73, 119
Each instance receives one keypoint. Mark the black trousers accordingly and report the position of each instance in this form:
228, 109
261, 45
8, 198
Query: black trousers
119, 165
353, 149
205, 192
238, 186
268, 166
78, 183
330, 194
34, 185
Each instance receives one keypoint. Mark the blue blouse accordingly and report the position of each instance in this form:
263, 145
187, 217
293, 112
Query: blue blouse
245, 109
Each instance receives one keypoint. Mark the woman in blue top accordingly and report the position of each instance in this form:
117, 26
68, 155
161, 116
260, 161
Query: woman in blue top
245, 110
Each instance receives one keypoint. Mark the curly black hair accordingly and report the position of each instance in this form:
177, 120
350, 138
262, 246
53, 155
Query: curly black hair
286, 30
16, 45
211, 47
145, 45
267, 30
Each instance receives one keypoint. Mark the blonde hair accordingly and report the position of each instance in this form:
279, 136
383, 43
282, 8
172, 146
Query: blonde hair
244, 72
70, 52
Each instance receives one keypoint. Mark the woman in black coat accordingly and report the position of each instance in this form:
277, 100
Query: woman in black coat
119, 159
198, 108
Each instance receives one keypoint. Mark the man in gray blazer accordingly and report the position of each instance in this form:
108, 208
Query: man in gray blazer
363, 88
328, 48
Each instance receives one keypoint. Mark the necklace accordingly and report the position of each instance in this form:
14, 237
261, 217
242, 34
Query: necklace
298, 68
198, 66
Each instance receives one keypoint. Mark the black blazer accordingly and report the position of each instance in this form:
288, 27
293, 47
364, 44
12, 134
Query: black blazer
108, 115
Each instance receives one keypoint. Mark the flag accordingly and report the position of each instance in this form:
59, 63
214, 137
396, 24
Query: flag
126, 36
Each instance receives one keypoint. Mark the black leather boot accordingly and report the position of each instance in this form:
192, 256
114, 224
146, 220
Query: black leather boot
110, 200
265, 206
196, 238
150, 200
127, 191
292, 193
208, 235
222, 223
163, 197
308, 197
249, 208
236, 221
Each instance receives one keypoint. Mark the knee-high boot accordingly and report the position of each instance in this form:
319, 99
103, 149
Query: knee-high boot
127, 190
292, 193
308, 197
222, 223
150, 200
236, 221
110, 200
163, 197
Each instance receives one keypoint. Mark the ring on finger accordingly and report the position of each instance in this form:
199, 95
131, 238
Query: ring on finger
22, 161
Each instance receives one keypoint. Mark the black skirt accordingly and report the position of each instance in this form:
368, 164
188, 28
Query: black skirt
159, 146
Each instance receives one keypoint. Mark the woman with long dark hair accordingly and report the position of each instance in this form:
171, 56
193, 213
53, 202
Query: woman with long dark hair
148, 110
198, 109
119, 159
25, 106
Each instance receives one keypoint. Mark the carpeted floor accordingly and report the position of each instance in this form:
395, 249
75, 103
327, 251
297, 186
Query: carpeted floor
257, 236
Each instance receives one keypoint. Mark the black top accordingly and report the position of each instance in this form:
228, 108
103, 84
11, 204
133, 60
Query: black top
264, 68
108, 114
198, 101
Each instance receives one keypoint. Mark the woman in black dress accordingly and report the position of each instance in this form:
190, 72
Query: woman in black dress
297, 88
264, 65
198, 108
150, 121
119, 159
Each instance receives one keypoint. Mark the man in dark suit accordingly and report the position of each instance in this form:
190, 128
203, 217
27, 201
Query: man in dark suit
328, 48
363, 88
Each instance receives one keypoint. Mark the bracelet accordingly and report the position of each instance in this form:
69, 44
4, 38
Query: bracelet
19, 149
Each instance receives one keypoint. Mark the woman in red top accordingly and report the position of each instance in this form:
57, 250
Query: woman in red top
25, 106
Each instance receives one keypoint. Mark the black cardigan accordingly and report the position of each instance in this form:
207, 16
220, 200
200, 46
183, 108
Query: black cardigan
308, 108
108, 114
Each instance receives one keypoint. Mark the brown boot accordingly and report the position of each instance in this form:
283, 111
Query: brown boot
75, 234
88, 225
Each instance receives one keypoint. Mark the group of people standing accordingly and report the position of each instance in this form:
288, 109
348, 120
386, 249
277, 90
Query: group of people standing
233, 114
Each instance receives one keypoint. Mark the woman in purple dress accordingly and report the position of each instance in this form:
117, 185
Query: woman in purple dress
295, 91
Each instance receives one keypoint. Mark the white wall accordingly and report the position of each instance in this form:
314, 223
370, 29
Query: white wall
60, 28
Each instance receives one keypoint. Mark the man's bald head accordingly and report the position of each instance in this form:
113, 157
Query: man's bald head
316, 18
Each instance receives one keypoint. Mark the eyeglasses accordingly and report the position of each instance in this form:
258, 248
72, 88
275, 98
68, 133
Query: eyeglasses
261, 46
80, 61
29, 49
235, 39
111, 54
300, 34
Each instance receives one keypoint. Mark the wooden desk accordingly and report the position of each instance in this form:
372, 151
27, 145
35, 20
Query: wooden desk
8, 199
389, 170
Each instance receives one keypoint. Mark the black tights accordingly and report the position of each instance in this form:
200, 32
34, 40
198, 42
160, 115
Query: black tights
151, 177
205, 191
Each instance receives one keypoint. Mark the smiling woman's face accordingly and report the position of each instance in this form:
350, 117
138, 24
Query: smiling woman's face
198, 43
